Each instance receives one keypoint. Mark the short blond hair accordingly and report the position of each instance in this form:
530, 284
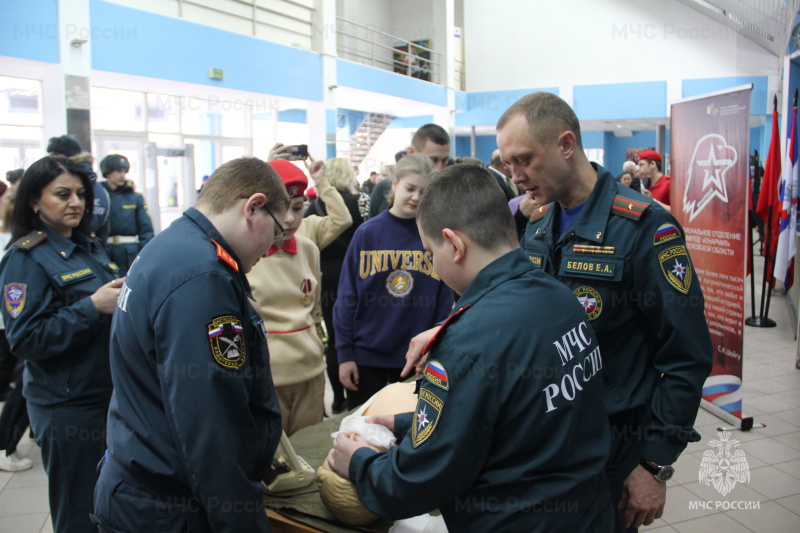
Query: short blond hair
340, 174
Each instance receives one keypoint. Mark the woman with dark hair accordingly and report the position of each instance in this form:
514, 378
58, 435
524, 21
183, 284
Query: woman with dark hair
59, 292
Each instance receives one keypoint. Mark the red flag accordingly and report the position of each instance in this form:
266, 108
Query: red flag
769, 196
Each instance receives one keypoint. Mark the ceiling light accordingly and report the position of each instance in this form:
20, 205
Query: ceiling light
755, 29
712, 7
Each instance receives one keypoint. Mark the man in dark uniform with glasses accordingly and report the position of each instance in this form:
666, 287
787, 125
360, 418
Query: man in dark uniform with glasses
194, 420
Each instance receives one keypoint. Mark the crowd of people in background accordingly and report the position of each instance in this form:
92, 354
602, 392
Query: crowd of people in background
331, 298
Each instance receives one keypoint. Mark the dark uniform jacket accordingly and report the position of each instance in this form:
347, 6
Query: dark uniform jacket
129, 217
194, 411
50, 320
625, 259
509, 433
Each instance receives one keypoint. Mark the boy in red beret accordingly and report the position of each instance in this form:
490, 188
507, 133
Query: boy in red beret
650, 167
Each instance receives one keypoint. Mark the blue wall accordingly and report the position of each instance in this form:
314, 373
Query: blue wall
620, 100
615, 147
484, 146
758, 98
163, 47
486, 107
411, 122
29, 29
351, 74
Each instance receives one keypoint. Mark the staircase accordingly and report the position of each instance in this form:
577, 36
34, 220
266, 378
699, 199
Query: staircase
365, 136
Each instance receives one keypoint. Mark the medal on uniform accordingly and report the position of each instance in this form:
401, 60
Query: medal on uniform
305, 288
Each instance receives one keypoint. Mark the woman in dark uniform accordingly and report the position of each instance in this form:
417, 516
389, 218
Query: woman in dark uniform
59, 292
131, 227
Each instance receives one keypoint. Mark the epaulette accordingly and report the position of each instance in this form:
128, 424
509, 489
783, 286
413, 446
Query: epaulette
30, 240
443, 327
225, 257
629, 208
538, 213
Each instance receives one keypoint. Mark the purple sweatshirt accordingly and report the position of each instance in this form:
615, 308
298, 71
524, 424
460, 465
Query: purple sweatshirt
388, 293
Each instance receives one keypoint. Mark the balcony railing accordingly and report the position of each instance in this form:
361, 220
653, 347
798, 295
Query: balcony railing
385, 51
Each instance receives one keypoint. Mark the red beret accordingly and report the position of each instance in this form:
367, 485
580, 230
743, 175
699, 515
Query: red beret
293, 178
650, 154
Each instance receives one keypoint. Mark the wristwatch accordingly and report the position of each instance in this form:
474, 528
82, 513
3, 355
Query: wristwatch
661, 472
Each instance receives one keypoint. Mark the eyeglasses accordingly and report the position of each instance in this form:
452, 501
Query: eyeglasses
278, 236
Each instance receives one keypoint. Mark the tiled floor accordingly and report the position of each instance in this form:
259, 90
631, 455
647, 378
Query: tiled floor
771, 396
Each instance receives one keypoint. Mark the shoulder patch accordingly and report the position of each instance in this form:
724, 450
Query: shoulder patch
30, 240
590, 300
629, 208
436, 374
676, 267
14, 295
225, 257
429, 409
665, 233
538, 213
442, 328
226, 339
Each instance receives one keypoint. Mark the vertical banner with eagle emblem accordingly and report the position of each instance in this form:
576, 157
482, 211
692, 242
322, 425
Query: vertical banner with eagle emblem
710, 139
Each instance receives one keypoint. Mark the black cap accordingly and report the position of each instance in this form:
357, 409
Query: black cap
64, 145
13, 176
113, 162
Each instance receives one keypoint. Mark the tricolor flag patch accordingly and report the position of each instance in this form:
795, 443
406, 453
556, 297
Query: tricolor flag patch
437, 375
226, 339
665, 233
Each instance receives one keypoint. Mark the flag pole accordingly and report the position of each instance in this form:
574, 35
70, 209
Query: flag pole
762, 320
769, 296
750, 251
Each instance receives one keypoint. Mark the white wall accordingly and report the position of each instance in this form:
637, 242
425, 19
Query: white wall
412, 20
374, 14
511, 44
279, 21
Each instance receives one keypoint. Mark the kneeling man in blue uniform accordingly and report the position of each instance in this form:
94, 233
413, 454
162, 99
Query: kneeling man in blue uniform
194, 420
509, 432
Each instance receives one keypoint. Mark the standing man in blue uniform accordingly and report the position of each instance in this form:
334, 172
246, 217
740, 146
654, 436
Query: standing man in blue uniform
194, 419
131, 227
476, 447
626, 261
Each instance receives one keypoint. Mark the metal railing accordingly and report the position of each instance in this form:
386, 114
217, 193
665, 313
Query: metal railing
380, 49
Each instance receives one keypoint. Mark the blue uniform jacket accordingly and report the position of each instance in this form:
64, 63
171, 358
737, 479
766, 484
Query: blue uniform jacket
509, 433
101, 221
194, 409
50, 321
129, 217
626, 261
102, 204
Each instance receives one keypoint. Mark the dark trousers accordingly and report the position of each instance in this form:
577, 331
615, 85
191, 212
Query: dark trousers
370, 380
73, 440
331, 357
627, 442
14, 419
7, 364
121, 506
